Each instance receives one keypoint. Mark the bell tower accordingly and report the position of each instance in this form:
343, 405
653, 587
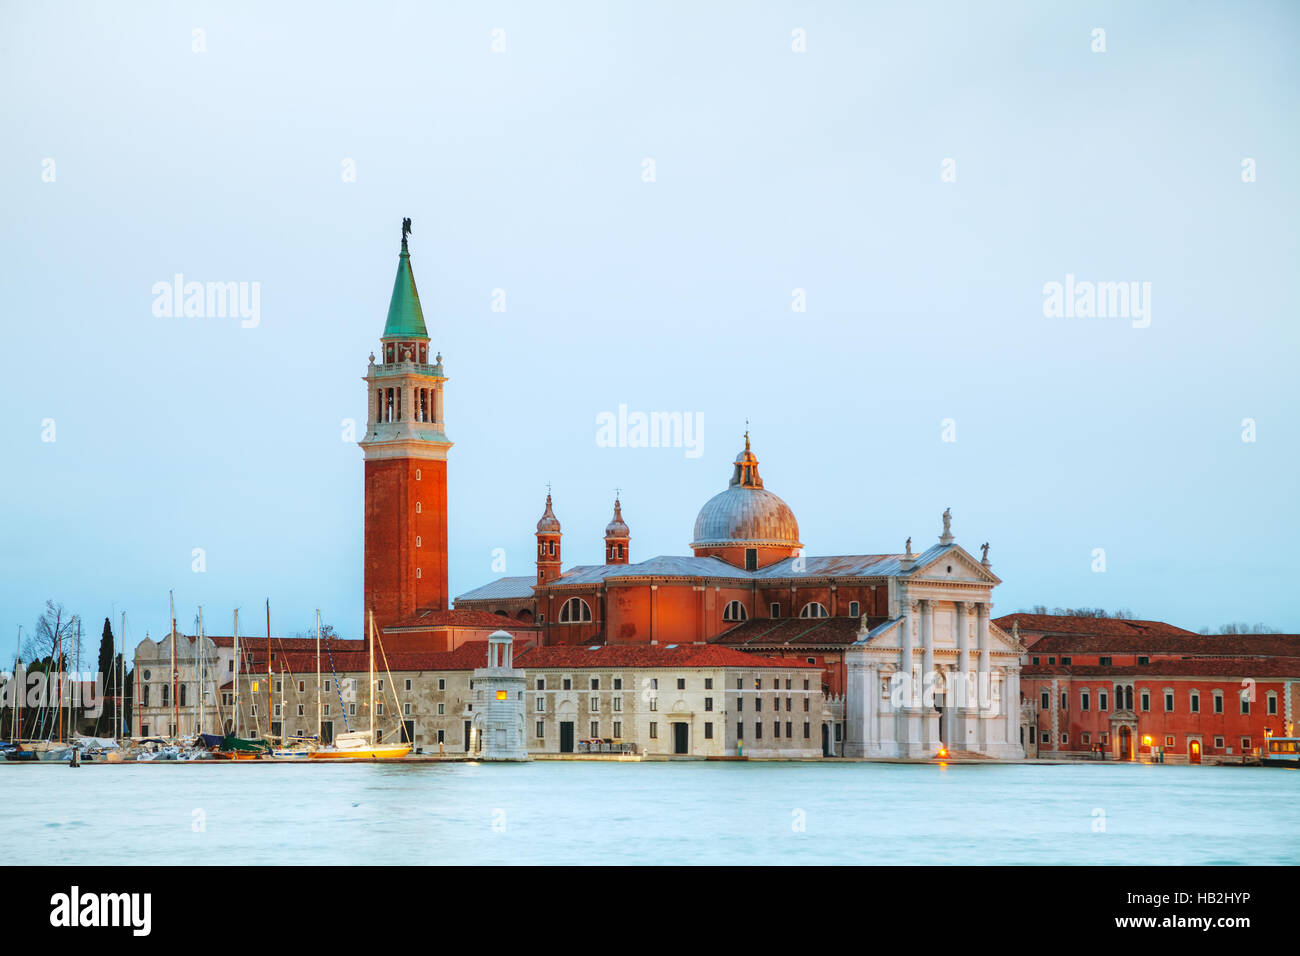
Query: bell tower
405, 451
548, 545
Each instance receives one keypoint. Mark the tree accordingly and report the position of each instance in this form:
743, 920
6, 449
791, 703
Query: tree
106, 656
1241, 627
55, 629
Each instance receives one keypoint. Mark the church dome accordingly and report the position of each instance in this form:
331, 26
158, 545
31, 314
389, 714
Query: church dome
617, 527
746, 513
549, 524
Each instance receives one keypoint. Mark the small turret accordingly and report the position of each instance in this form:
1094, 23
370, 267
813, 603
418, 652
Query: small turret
616, 537
548, 545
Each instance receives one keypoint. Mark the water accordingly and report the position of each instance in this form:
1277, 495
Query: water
653, 813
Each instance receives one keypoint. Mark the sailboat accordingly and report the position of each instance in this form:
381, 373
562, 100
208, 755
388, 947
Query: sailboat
360, 744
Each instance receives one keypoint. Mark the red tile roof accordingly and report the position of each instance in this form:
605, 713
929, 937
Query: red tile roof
288, 643
1109, 627
796, 631
301, 664
647, 655
462, 617
1231, 668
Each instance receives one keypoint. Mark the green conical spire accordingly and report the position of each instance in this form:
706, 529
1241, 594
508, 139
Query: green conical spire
405, 318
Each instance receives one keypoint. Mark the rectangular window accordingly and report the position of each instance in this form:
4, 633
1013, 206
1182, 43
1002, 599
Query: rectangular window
381, 685
279, 687
1087, 738
740, 702
1245, 745
595, 683
1102, 700
406, 710
618, 704
758, 730
708, 703
681, 683
408, 683
595, 729
708, 730
789, 729
776, 730
442, 709
807, 730
1218, 743
708, 683
442, 683
1045, 737
1218, 702
568, 683
654, 730
1104, 661
618, 729
740, 730
327, 687
325, 710
1035, 661
1083, 700
541, 683
1067, 661
853, 609
541, 729
1065, 738
1044, 701
1146, 700
618, 683
1169, 702
1272, 705
758, 703
1144, 660
1194, 703
805, 705
1169, 741
595, 704
774, 609
541, 704
1065, 701
1245, 705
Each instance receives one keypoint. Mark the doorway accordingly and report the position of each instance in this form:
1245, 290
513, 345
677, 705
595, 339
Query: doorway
1194, 751
1125, 744
468, 725
566, 736
826, 740
681, 738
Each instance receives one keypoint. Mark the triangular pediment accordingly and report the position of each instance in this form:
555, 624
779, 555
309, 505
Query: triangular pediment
964, 567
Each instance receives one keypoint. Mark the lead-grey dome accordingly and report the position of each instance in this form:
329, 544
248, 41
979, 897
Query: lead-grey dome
746, 513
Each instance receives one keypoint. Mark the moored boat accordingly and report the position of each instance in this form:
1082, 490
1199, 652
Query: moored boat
1281, 752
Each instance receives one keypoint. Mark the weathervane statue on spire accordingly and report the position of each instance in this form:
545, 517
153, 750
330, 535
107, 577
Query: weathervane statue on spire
406, 228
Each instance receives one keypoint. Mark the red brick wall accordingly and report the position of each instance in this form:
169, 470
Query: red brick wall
392, 525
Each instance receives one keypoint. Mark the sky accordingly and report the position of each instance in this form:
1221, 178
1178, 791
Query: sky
833, 221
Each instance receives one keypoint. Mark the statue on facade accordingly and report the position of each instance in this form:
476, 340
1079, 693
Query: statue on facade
985, 548
947, 522
909, 547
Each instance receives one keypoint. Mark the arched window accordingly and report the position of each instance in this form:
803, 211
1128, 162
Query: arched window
417, 541
417, 507
735, 611
813, 609
575, 611
417, 474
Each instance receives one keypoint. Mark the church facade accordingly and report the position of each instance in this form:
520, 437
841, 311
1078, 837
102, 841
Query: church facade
918, 624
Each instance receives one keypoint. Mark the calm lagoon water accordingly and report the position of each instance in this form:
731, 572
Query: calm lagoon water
647, 813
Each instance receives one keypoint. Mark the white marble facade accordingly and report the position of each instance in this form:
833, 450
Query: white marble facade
937, 674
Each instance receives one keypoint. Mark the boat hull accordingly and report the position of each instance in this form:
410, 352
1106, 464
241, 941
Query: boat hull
362, 753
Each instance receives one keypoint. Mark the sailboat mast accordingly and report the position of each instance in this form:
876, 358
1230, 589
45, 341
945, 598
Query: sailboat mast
319, 706
269, 707
234, 714
58, 686
372, 678
176, 706
202, 654
121, 684
283, 713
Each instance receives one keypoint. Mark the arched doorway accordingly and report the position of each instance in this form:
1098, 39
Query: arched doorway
1125, 744
1194, 751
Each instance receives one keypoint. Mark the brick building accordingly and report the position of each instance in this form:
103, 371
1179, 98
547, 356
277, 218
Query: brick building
1131, 690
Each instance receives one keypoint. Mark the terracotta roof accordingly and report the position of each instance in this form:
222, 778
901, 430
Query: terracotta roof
301, 664
1234, 668
288, 643
461, 617
1182, 644
646, 655
1089, 626
797, 631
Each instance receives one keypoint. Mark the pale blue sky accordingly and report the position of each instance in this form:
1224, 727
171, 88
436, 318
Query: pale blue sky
522, 171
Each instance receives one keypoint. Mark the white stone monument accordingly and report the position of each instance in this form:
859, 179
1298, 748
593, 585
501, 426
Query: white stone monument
499, 703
